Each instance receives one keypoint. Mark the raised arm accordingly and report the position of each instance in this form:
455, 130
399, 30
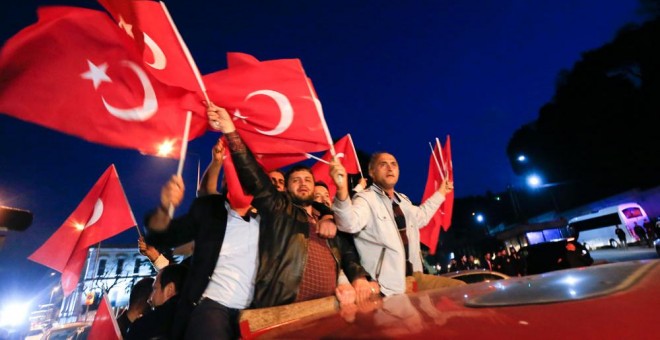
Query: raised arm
209, 182
254, 180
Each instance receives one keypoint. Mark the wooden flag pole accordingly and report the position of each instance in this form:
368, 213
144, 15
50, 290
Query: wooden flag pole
182, 154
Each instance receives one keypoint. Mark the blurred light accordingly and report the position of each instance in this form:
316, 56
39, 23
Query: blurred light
52, 273
497, 198
480, 218
572, 292
166, 148
14, 314
534, 181
451, 255
465, 296
570, 280
522, 158
79, 226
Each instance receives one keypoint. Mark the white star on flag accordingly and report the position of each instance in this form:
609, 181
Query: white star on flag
96, 74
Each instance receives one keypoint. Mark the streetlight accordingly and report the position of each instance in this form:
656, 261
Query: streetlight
522, 158
535, 181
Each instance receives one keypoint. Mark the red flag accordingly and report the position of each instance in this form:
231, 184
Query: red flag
345, 151
274, 108
75, 71
105, 325
148, 23
430, 234
448, 204
103, 213
235, 194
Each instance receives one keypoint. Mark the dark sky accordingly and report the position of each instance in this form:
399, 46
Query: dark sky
394, 74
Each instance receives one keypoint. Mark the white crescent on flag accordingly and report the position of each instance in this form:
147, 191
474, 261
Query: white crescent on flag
96, 214
284, 105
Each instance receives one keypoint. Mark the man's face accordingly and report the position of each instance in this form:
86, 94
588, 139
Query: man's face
385, 171
322, 195
278, 180
301, 186
157, 294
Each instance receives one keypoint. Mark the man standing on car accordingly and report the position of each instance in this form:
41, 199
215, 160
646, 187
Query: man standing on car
386, 226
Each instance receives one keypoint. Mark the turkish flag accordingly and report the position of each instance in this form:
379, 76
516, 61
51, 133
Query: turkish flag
345, 151
77, 72
431, 232
103, 213
164, 55
274, 108
104, 325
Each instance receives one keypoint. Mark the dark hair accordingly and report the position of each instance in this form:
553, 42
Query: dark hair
141, 291
296, 169
174, 273
276, 170
321, 184
374, 158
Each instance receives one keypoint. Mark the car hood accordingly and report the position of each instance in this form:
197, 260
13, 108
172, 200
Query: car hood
593, 302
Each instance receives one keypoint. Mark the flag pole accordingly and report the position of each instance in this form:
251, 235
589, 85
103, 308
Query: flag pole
451, 164
114, 169
436, 161
309, 155
186, 51
444, 165
350, 139
319, 110
182, 154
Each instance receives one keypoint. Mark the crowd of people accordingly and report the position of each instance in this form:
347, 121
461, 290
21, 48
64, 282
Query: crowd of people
281, 239
509, 263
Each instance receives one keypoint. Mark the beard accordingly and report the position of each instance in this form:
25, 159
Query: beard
302, 200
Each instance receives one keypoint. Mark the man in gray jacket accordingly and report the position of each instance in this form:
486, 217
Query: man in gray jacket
386, 226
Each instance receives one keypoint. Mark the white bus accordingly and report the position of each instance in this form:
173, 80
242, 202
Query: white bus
597, 229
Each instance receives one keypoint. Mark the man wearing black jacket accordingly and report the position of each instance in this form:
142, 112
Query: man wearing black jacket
292, 259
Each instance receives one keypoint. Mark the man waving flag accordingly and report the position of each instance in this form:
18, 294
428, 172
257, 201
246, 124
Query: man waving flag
103, 213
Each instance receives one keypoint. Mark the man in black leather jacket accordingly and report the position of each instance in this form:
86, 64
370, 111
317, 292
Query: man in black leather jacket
286, 233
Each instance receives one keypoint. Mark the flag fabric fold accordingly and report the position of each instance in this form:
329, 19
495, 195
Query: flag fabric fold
164, 56
104, 325
273, 107
103, 213
345, 152
430, 234
77, 72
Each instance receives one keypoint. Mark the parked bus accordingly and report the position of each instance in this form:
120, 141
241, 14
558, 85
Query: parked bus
597, 229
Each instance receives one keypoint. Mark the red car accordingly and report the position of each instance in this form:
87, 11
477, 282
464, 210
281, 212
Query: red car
611, 301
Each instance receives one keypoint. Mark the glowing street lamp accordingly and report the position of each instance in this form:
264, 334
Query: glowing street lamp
522, 158
479, 218
534, 181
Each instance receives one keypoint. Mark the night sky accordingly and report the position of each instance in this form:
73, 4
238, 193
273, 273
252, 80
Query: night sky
394, 74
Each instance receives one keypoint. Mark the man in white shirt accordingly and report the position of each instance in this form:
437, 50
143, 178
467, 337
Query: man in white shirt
386, 226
